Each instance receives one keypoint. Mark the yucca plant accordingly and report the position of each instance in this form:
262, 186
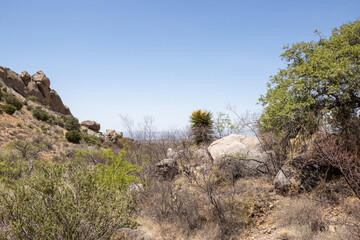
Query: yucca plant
201, 126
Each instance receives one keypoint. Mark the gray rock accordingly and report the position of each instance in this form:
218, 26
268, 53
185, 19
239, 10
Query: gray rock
92, 125
33, 90
167, 168
43, 83
57, 105
112, 136
282, 183
242, 153
25, 77
13, 80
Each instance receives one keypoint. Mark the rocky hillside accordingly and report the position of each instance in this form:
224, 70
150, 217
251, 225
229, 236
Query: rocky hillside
36, 87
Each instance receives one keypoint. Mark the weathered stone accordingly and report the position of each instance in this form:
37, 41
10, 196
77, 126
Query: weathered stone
112, 136
238, 146
32, 90
167, 168
13, 80
43, 83
25, 77
92, 125
57, 104
244, 151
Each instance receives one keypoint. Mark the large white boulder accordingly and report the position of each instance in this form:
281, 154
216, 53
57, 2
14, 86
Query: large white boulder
238, 146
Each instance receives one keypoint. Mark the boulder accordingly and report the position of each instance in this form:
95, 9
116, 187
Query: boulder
92, 125
57, 105
244, 153
13, 80
238, 146
167, 168
25, 77
112, 136
32, 90
43, 83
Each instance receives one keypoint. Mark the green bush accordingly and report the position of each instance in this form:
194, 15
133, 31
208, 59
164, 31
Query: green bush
201, 126
1, 95
73, 136
71, 123
9, 109
32, 98
90, 140
11, 99
40, 114
29, 108
69, 200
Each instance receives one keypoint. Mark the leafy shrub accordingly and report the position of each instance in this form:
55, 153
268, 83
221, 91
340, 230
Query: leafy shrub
9, 109
32, 98
69, 200
90, 140
1, 95
71, 123
11, 99
201, 126
40, 114
73, 136
29, 108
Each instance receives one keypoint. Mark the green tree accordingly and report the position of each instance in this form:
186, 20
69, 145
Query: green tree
321, 81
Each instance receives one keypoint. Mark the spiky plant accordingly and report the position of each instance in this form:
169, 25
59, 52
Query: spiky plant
201, 126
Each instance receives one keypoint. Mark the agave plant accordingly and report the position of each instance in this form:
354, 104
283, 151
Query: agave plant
201, 126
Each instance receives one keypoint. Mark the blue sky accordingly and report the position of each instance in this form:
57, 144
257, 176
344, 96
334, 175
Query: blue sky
162, 58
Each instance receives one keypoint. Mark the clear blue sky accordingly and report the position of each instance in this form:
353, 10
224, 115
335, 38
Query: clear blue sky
162, 58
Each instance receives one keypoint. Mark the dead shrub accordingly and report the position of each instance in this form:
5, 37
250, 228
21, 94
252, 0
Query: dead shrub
302, 212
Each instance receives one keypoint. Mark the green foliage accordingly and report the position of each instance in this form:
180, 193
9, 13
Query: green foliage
9, 109
73, 136
67, 199
1, 95
40, 114
71, 123
33, 98
201, 126
29, 108
320, 82
11, 99
90, 140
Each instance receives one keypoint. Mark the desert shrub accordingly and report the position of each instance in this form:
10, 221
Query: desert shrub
9, 109
201, 126
45, 101
11, 99
29, 108
69, 200
11, 166
71, 123
73, 136
302, 212
1, 95
40, 114
90, 140
32, 98
59, 121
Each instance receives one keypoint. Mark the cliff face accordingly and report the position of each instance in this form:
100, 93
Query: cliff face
37, 85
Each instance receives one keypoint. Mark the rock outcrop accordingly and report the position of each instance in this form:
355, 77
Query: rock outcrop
25, 77
92, 125
112, 136
13, 80
240, 152
37, 85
